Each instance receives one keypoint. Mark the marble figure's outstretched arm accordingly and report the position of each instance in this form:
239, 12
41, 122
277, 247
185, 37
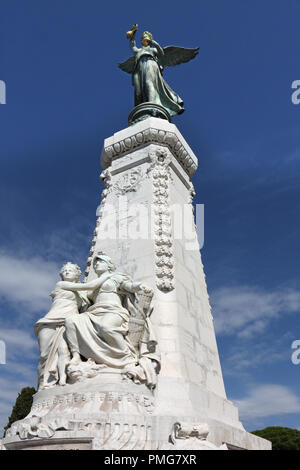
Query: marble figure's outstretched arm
76, 286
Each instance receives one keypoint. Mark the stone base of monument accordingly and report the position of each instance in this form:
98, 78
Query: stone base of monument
110, 412
191, 406
106, 412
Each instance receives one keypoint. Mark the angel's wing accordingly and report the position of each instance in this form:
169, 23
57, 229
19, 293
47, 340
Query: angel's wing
128, 65
174, 55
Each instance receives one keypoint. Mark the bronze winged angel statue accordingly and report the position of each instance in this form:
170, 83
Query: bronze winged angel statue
147, 65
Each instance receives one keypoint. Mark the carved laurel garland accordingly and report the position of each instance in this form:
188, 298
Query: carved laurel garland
169, 139
106, 178
160, 160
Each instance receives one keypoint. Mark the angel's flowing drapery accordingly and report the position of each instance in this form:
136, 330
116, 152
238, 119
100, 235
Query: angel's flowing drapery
150, 86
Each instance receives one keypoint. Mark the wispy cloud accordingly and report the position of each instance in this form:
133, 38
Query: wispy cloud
241, 360
27, 282
19, 344
246, 311
267, 400
17, 338
9, 389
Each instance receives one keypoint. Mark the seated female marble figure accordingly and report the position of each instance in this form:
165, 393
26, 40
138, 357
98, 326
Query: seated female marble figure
101, 333
50, 330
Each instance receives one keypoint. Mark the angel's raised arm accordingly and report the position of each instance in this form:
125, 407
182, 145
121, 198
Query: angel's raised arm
133, 45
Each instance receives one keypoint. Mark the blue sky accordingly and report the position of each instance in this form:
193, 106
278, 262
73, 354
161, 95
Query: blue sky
65, 94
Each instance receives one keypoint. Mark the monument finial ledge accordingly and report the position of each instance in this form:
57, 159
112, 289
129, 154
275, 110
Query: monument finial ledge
150, 131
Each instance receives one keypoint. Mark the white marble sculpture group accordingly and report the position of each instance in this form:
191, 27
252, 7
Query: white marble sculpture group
96, 325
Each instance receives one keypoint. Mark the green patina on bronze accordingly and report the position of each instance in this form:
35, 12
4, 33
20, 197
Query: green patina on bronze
146, 67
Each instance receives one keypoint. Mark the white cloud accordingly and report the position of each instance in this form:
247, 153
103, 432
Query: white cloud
267, 400
259, 352
246, 311
17, 338
27, 370
19, 344
9, 389
27, 283
241, 359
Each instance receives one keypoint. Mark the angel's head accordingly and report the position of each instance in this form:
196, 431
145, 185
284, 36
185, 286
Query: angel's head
146, 38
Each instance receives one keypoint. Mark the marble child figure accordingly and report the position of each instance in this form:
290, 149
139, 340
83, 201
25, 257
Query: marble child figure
102, 332
50, 330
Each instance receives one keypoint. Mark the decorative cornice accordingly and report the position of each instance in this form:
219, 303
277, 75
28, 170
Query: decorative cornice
116, 146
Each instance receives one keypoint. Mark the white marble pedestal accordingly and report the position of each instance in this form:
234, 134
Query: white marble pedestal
147, 167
